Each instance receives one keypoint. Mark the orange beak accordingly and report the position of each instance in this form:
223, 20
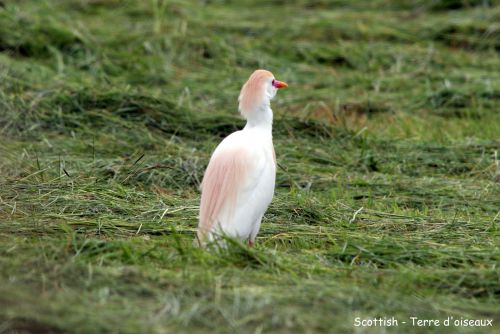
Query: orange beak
279, 84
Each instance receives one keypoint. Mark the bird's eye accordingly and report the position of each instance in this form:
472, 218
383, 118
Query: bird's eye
272, 83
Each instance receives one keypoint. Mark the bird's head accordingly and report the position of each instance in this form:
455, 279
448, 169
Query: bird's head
258, 91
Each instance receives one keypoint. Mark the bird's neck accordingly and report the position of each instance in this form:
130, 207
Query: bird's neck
261, 119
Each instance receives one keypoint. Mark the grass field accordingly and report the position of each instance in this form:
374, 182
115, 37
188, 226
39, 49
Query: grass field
388, 195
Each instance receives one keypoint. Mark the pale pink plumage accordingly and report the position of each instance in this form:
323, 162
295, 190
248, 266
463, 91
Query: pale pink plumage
253, 92
219, 186
238, 184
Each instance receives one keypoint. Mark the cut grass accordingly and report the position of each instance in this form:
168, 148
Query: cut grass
387, 199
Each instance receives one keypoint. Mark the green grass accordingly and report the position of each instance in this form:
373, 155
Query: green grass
387, 200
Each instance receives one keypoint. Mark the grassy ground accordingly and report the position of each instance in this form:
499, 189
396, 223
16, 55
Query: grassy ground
387, 200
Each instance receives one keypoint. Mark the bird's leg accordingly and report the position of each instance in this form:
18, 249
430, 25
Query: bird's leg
255, 230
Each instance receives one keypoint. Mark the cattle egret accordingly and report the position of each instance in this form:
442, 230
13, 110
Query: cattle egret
238, 184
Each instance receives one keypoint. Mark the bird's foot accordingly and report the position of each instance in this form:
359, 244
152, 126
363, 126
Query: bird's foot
250, 243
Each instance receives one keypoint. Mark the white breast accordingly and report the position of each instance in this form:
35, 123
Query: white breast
254, 191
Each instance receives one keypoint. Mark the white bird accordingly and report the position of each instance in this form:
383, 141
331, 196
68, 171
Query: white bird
238, 184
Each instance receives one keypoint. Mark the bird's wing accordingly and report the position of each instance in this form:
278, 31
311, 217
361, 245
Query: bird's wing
227, 174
